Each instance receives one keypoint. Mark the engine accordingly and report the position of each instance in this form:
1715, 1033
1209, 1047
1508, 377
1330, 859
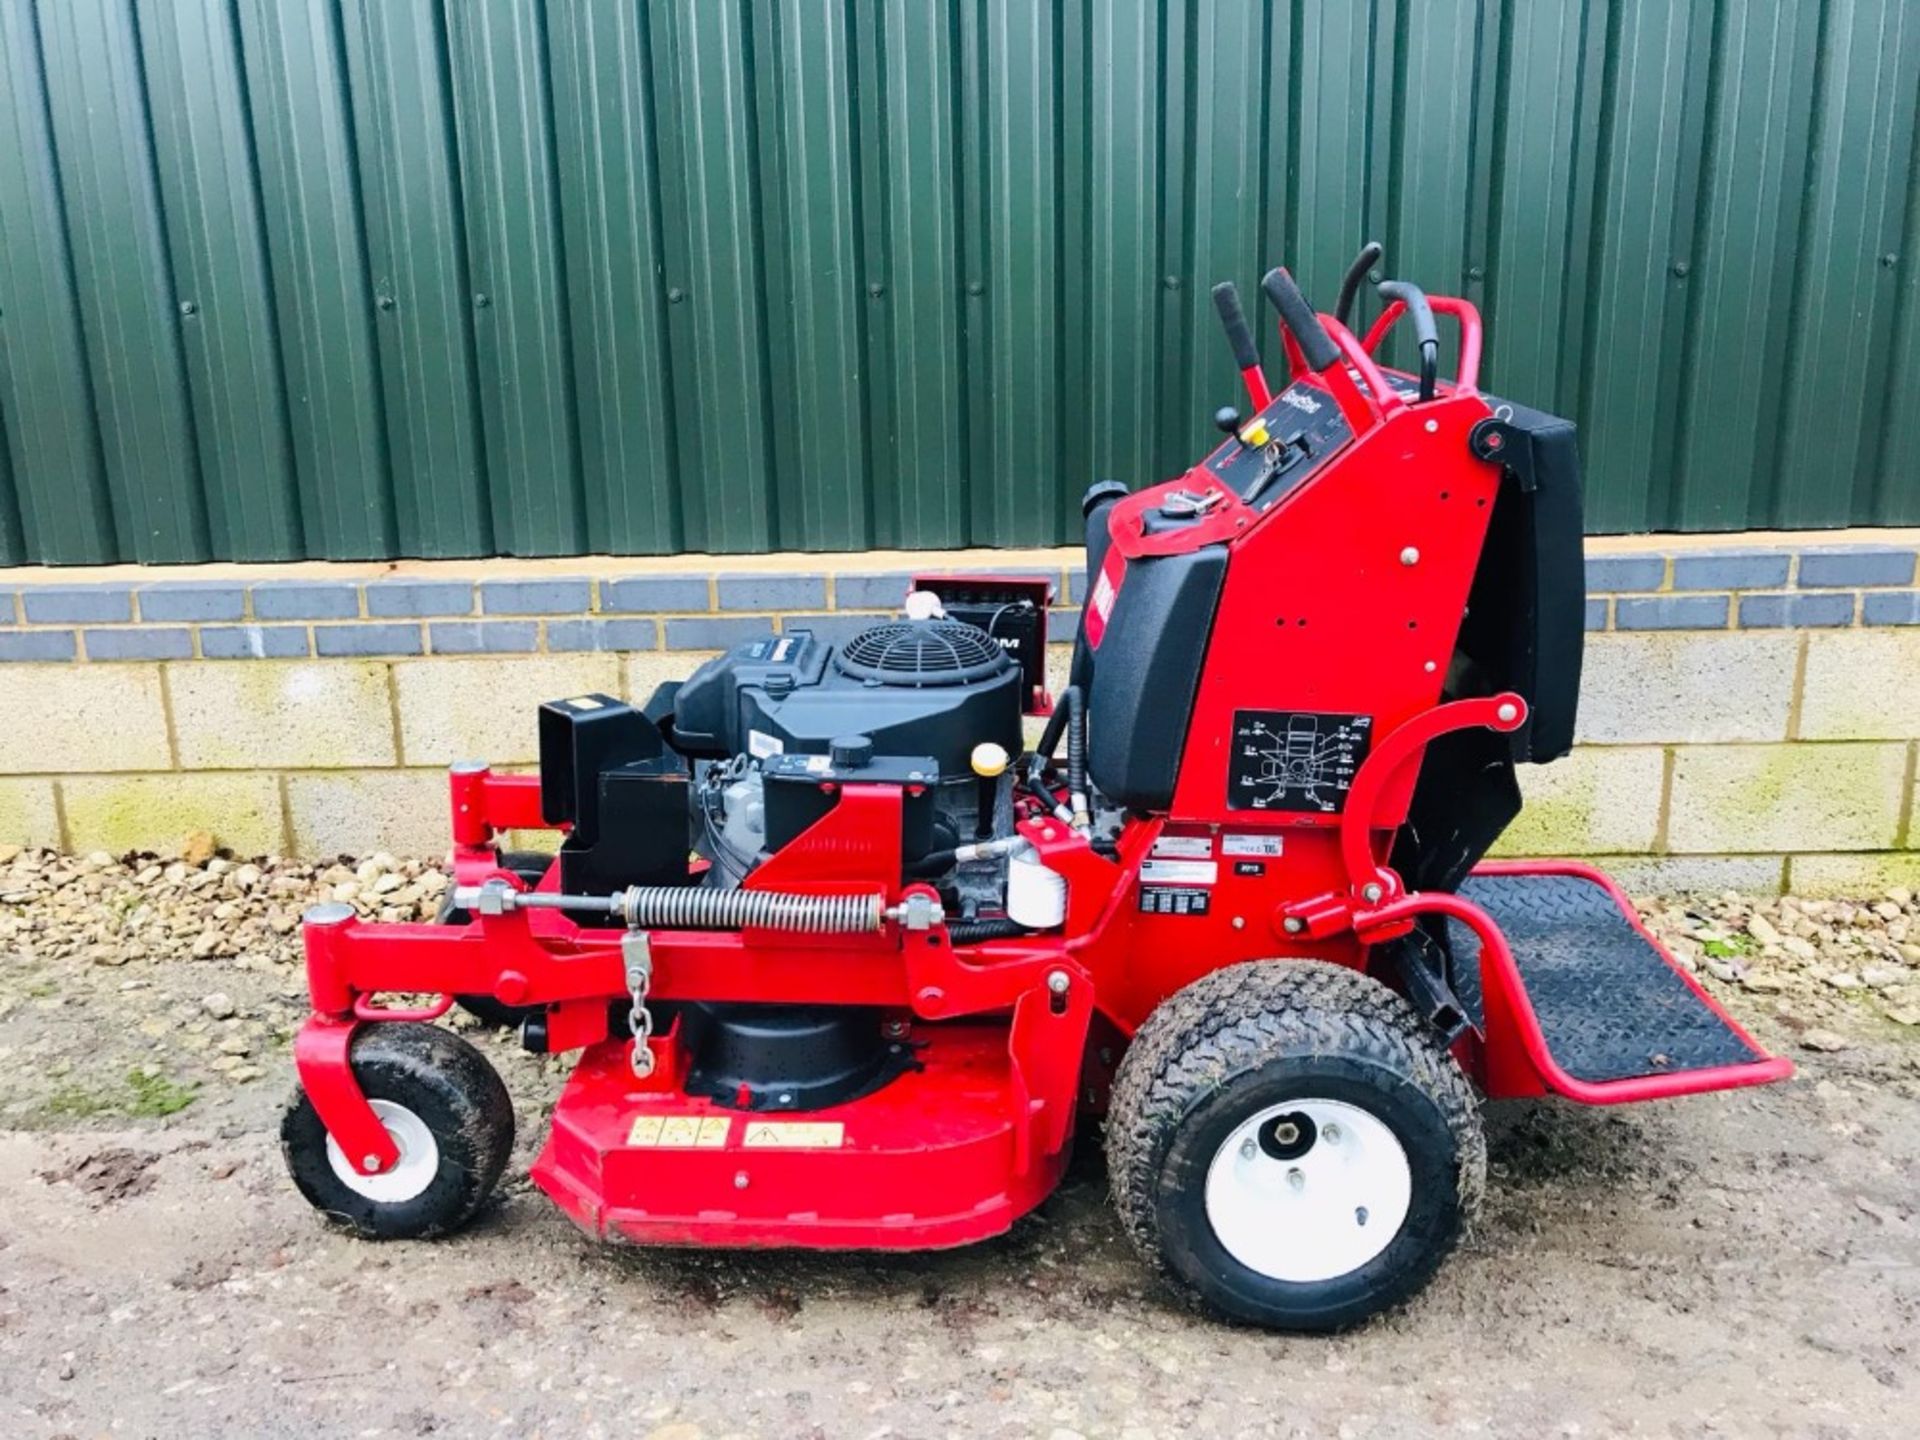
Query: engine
913, 687
902, 703
735, 761
742, 756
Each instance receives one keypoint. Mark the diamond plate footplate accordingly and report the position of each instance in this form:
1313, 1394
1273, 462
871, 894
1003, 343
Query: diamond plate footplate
1609, 1003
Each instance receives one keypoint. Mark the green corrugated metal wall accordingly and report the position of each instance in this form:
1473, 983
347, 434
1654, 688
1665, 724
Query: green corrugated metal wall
355, 278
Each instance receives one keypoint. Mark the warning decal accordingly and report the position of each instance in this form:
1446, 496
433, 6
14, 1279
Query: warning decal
794, 1135
680, 1132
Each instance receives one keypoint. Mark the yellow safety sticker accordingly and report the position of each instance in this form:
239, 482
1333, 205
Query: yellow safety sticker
682, 1132
794, 1135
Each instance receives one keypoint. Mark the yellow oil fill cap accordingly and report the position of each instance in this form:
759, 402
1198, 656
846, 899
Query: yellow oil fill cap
989, 759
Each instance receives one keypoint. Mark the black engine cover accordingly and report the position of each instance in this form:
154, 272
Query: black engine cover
933, 688
605, 768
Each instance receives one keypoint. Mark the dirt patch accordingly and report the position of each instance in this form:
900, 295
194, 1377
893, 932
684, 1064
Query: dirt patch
108, 1176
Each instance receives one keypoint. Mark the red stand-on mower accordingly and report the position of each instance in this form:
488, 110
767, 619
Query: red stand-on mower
848, 967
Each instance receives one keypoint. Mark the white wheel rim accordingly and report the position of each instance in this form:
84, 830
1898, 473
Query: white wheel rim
410, 1175
1313, 1215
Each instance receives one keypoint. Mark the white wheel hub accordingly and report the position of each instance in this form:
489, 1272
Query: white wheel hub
1308, 1190
410, 1175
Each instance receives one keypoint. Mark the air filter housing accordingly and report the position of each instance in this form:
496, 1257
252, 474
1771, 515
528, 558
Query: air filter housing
918, 687
921, 652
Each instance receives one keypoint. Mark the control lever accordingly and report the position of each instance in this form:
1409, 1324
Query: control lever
1297, 315
1424, 330
1357, 272
1226, 299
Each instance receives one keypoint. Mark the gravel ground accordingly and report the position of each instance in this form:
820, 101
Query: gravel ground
1742, 1264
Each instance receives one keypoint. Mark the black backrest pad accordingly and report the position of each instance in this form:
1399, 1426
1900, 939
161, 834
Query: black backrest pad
1526, 617
1146, 672
1524, 630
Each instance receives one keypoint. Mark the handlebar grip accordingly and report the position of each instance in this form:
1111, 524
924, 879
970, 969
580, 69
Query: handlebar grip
1424, 330
1297, 315
1418, 310
1226, 299
1368, 257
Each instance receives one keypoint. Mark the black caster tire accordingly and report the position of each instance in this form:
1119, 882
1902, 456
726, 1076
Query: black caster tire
530, 866
1290, 1143
447, 1110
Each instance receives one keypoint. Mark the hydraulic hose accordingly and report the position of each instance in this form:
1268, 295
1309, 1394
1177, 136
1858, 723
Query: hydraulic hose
1069, 716
938, 862
1054, 800
1077, 752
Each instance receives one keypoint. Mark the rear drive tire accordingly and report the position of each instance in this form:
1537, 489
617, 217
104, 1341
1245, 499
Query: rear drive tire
446, 1109
1290, 1143
531, 867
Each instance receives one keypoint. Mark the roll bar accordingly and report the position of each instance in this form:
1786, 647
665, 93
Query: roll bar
1467, 378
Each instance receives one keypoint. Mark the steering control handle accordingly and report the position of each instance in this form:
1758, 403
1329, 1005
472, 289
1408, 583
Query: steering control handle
1226, 299
1364, 262
1424, 330
1297, 315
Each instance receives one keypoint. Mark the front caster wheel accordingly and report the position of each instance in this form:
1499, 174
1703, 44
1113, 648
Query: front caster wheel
1293, 1145
448, 1113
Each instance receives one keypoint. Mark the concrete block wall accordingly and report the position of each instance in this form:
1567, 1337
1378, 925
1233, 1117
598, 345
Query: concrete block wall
1750, 712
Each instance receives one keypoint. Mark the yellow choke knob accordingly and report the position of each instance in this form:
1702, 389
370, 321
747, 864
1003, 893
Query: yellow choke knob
1255, 434
989, 760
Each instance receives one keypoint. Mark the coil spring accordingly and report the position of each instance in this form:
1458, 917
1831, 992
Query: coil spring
667, 907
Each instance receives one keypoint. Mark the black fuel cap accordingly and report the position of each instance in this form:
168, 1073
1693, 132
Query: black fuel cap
850, 752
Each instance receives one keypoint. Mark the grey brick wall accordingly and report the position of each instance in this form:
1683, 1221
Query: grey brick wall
1755, 586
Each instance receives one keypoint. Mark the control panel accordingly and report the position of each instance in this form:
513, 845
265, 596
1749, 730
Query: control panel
1270, 454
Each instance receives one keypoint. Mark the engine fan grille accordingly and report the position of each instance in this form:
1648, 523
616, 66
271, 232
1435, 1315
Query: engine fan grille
921, 652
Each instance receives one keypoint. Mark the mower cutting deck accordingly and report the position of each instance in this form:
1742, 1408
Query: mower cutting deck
849, 967
920, 1164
